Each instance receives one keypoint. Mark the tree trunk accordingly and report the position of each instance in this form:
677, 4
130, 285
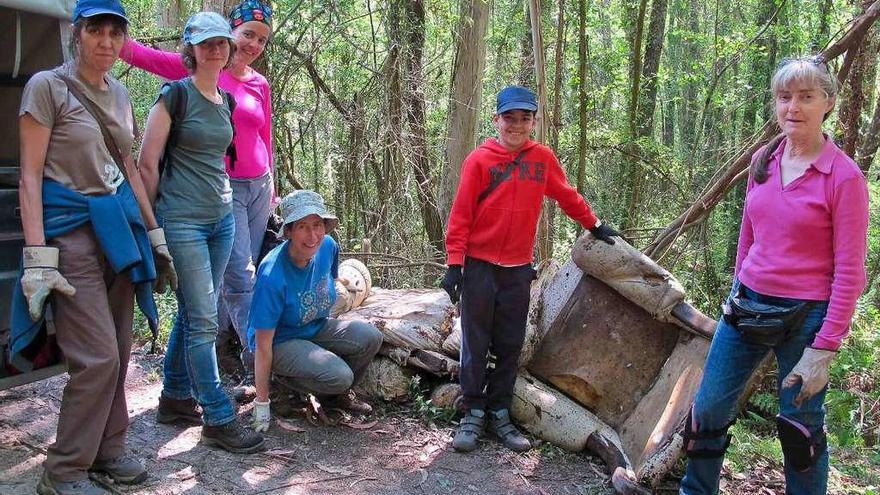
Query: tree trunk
855, 92
631, 159
582, 99
465, 95
656, 34
869, 146
545, 228
418, 146
821, 36
222, 7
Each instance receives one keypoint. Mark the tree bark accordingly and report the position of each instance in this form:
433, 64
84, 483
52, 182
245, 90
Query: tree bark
545, 228
869, 146
418, 146
582, 98
465, 96
656, 34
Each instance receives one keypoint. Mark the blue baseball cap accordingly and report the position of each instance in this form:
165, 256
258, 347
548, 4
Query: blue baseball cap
89, 8
515, 98
204, 25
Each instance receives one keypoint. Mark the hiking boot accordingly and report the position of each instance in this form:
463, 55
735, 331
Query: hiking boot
245, 392
470, 429
500, 425
123, 469
232, 437
48, 486
349, 402
178, 411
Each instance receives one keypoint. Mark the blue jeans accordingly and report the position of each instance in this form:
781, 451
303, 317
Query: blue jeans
251, 206
730, 363
200, 253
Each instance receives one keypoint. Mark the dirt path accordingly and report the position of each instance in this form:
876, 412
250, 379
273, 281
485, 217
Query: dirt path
398, 455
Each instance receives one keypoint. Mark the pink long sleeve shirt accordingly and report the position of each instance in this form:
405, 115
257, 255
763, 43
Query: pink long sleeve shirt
808, 240
253, 106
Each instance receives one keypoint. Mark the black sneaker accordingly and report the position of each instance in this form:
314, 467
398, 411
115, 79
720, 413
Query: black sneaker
499, 423
232, 437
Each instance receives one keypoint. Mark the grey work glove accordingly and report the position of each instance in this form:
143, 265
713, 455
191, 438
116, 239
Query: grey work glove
40, 277
604, 232
812, 371
262, 416
166, 275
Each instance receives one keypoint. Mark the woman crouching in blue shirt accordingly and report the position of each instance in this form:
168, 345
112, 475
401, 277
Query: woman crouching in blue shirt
290, 330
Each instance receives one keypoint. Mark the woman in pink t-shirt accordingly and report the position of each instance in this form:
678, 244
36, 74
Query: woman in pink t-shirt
802, 243
251, 174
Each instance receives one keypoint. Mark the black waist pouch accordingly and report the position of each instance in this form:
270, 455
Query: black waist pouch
760, 323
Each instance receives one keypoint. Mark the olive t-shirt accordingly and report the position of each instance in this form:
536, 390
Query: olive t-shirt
194, 187
76, 156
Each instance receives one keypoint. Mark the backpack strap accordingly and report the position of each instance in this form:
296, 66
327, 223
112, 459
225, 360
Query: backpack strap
178, 113
230, 150
503, 176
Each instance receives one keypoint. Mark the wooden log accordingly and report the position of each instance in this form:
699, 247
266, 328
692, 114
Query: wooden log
385, 379
408, 318
433, 362
447, 395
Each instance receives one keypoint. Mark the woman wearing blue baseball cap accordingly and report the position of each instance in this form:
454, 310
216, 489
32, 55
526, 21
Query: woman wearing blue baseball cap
195, 207
251, 175
78, 197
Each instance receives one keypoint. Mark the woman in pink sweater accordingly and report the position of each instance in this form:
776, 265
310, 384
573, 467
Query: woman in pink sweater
802, 243
251, 174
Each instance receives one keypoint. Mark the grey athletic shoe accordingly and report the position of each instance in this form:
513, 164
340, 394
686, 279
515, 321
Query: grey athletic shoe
500, 425
470, 429
124, 469
48, 486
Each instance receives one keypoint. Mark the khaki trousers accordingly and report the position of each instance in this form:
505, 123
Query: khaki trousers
94, 334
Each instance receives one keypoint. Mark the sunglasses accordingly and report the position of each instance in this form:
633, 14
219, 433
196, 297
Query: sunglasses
817, 60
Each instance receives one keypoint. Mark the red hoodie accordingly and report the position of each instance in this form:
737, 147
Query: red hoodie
501, 229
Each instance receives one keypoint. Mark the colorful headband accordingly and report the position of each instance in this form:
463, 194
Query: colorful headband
250, 10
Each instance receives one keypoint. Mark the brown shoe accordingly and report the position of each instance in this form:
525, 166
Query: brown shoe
178, 411
349, 402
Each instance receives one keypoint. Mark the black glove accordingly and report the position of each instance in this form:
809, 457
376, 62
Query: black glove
452, 282
604, 232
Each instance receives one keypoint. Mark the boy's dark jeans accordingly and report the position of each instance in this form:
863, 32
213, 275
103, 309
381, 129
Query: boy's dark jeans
494, 306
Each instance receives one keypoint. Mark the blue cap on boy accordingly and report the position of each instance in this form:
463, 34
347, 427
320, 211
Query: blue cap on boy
515, 98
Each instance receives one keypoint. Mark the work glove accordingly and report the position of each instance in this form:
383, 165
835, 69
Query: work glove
40, 277
262, 416
452, 282
604, 232
812, 371
166, 275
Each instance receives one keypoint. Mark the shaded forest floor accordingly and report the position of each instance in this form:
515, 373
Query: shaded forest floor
395, 452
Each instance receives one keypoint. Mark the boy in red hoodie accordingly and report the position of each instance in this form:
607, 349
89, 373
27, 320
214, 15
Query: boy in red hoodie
489, 243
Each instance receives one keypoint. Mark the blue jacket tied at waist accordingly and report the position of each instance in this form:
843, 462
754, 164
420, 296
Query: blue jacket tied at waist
121, 233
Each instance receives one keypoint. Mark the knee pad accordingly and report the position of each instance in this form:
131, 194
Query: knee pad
799, 447
692, 434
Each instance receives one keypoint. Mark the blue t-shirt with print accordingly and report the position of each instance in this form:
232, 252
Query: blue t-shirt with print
294, 301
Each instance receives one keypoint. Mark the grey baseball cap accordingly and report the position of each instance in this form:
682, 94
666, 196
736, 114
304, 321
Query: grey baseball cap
302, 203
204, 25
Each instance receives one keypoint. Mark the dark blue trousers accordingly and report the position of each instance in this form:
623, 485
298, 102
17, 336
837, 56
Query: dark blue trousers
494, 306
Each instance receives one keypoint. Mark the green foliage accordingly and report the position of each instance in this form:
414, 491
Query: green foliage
420, 394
